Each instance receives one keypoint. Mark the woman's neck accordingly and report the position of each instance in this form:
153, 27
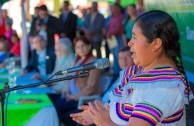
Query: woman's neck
162, 61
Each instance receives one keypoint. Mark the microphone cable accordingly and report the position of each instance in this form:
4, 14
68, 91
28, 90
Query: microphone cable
11, 89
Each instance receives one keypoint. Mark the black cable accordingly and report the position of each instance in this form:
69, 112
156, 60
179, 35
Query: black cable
6, 107
83, 74
2, 107
11, 89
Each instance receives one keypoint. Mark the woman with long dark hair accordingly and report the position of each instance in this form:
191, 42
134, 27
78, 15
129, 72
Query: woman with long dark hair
155, 91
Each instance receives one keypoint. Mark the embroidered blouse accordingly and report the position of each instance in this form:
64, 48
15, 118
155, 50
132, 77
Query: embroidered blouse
157, 96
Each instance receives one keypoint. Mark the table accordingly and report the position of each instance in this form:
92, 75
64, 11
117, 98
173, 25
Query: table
36, 109
40, 113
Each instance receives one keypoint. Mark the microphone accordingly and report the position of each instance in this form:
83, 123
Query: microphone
98, 64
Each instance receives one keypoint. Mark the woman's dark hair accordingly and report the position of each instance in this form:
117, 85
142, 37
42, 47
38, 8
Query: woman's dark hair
159, 24
85, 41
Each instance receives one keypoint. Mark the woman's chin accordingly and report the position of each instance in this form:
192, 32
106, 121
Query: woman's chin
135, 62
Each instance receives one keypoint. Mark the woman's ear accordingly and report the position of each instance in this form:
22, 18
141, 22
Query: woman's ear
156, 44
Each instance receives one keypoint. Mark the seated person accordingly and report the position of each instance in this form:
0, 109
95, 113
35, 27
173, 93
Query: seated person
42, 60
79, 86
65, 58
4, 48
15, 50
125, 60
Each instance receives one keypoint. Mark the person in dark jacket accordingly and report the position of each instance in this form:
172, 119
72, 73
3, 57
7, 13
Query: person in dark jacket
42, 60
52, 24
68, 21
35, 18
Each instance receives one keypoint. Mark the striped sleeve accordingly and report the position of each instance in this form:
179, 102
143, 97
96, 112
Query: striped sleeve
147, 112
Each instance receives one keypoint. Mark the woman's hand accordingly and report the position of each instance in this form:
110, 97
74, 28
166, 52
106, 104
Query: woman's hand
83, 117
99, 114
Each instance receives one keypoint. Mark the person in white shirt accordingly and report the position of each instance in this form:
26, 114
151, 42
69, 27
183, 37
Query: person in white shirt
65, 58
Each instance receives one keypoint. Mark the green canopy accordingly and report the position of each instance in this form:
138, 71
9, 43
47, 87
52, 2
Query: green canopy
3, 1
124, 3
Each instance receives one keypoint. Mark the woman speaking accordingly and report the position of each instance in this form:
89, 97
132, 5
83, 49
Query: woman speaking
155, 91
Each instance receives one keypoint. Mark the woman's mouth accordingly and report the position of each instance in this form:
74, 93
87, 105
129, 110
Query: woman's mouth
133, 54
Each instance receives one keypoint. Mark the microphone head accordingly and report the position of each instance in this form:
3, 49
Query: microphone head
102, 63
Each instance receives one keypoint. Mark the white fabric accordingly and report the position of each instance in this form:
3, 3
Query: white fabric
167, 100
62, 63
45, 117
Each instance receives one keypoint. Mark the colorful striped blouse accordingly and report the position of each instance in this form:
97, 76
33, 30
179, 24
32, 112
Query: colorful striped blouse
157, 96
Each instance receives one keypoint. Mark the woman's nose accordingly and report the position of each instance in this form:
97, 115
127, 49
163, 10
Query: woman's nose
130, 43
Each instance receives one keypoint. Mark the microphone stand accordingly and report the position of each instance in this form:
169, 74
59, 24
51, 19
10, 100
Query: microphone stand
8, 89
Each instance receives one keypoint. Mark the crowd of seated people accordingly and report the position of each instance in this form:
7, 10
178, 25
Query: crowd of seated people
125, 60
49, 55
